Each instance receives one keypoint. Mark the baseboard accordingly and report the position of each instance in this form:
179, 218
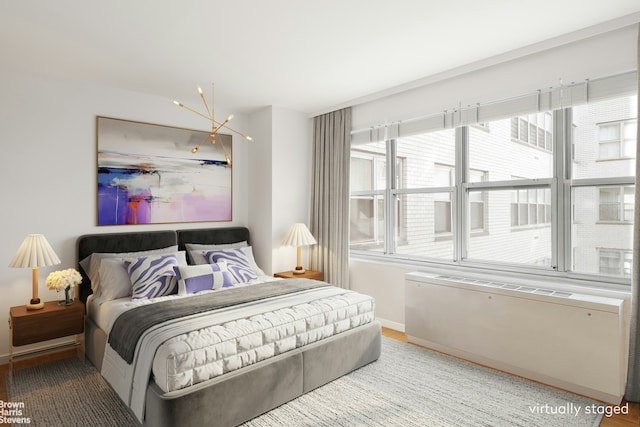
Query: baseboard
391, 325
38, 349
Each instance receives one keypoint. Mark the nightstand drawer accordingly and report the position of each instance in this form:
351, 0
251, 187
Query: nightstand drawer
53, 321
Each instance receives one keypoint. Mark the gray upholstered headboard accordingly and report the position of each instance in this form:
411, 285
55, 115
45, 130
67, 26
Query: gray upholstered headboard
147, 240
212, 236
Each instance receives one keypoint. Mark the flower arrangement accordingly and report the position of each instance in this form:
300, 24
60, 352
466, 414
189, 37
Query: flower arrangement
63, 280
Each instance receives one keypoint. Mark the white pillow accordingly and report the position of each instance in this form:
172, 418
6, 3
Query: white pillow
91, 264
196, 251
115, 281
114, 278
249, 251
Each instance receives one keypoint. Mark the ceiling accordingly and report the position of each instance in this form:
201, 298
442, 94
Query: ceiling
306, 55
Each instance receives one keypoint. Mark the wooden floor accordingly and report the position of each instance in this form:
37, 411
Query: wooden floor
631, 419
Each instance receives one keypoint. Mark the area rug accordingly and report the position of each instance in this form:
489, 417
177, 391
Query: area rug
65, 392
407, 386
412, 386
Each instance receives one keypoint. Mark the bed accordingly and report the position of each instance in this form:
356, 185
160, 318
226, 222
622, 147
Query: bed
175, 361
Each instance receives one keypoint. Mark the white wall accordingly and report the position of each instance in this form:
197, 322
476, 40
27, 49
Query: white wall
291, 181
606, 54
280, 182
260, 187
48, 168
603, 55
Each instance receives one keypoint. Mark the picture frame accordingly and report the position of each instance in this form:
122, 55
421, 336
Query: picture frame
148, 174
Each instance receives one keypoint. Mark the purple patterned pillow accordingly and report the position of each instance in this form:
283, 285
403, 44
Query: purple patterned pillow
202, 277
237, 261
152, 276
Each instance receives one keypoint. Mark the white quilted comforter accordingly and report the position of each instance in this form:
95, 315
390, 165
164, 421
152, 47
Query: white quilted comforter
182, 353
209, 352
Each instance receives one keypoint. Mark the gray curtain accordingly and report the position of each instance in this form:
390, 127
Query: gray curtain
632, 392
330, 196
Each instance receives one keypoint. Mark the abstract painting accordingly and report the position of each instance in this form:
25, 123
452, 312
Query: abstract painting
147, 174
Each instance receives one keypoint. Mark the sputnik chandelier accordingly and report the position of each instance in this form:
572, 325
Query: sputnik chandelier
215, 126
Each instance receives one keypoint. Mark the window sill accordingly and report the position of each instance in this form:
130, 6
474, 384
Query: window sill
441, 237
529, 145
613, 287
531, 227
614, 222
613, 159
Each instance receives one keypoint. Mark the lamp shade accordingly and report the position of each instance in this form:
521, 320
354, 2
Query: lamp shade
34, 251
299, 235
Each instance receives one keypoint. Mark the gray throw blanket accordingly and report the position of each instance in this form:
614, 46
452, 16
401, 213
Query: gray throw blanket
130, 325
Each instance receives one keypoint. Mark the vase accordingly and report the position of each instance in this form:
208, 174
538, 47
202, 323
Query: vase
65, 296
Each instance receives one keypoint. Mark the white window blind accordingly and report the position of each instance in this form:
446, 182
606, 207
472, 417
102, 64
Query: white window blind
544, 100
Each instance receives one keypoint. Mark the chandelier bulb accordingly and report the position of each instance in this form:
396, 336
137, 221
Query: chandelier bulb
199, 90
195, 150
179, 104
229, 118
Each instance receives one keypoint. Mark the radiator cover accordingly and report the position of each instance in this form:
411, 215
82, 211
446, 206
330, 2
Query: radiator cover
571, 341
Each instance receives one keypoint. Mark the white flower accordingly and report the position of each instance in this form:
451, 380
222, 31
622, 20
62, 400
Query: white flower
63, 279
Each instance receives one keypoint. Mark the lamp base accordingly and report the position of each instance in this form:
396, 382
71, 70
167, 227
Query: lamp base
299, 270
35, 305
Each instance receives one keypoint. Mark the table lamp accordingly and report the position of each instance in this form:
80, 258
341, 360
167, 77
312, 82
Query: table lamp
34, 252
299, 235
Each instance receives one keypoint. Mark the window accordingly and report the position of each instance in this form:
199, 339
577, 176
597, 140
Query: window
616, 204
549, 192
514, 187
602, 193
443, 177
617, 140
522, 245
533, 129
423, 195
604, 130
367, 179
495, 153
367, 220
531, 207
477, 202
615, 262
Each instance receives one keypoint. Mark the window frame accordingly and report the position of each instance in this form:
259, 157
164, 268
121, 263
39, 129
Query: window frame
622, 254
560, 186
524, 121
373, 194
619, 203
620, 142
514, 185
451, 171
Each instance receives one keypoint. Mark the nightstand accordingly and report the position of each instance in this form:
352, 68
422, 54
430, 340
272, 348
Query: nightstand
52, 321
308, 274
